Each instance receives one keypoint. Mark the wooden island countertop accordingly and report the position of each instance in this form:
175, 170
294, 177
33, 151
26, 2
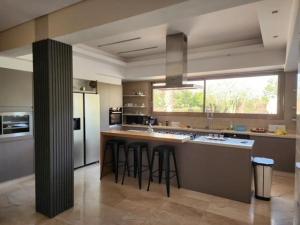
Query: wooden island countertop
147, 136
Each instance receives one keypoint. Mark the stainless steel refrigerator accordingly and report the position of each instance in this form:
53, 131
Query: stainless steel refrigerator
86, 124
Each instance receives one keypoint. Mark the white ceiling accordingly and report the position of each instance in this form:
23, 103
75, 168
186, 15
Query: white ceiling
219, 40
15, 12
220, 27
274, 25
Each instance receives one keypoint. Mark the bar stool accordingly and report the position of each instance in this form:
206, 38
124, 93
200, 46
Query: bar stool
114, 146
137, 148
164, 152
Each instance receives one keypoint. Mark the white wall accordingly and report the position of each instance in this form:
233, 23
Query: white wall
91, 69
260, 60
15, 64
90, 66
83, 68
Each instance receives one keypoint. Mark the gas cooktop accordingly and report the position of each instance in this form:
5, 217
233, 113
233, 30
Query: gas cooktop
192, 135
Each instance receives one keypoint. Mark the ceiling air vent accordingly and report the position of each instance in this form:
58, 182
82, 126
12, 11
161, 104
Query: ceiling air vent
119, 42
138, 50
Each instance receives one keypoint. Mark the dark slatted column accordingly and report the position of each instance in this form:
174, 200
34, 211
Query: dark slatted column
53, 130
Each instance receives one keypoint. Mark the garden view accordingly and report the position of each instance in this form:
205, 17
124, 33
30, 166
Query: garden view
251, 95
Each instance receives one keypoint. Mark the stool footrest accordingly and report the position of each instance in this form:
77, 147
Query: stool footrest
165, 154
137, 149
132, 170
171, 171
164, 177
120, 163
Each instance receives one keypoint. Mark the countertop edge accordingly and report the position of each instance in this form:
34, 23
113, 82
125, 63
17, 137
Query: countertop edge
129, 134
12, 139
148, 136
221, 145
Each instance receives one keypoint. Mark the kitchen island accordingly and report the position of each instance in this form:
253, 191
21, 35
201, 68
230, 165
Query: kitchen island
281, 148
217, 167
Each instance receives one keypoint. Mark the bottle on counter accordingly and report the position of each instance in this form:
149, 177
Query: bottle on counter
231, 126
167, 123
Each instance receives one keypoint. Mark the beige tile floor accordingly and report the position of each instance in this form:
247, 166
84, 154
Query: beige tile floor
108, 203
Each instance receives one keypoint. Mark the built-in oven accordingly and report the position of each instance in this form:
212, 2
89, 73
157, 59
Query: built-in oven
115, 116
15, 124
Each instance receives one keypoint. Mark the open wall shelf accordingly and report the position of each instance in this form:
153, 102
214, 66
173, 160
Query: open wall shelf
136, 105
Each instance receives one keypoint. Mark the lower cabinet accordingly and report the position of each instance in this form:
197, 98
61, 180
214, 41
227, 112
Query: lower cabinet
282, 150
17, 158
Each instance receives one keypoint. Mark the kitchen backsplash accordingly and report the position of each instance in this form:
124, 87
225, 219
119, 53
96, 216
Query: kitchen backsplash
224, 123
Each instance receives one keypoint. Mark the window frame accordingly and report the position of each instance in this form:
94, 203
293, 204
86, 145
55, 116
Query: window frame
280, 97
177, 113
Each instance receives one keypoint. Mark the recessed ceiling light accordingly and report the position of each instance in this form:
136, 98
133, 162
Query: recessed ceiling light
275, 36
274, 11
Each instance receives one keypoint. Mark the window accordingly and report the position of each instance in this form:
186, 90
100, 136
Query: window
179, 100
250, 95
238, 95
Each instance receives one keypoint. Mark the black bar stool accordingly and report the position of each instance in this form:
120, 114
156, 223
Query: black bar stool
137, 149
114, 145
164, 152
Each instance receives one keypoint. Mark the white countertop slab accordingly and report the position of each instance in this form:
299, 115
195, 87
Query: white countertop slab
271, 135
228, 142
144, 135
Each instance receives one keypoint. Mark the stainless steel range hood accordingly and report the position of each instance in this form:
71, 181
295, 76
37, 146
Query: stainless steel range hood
176, 61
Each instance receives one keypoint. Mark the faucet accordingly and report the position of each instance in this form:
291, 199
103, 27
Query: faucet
150, 128
209, 118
